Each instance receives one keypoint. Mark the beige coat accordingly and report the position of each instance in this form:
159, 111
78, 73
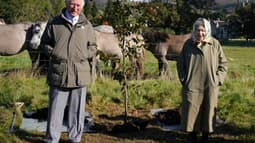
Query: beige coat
201, 71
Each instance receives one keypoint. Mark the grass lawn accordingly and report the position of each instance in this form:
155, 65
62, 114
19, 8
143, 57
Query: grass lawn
106, 103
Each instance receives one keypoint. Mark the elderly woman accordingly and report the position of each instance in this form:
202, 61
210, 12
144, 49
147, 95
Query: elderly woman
201, 70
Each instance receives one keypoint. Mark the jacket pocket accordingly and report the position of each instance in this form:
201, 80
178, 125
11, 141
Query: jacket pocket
57, 73
83, 73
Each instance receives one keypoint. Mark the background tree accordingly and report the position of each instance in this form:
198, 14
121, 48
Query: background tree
93, 13
246, 15
158, 15
13, 11
57, 6
94, 9
109, 13
201, 7
87, 9
234, 25
173, 16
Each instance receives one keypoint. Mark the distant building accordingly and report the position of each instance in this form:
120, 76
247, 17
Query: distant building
219, 29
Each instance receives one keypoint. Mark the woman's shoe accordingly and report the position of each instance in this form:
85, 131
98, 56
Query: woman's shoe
205, 137
193, 137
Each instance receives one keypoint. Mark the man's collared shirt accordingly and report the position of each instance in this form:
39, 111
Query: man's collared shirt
71, 19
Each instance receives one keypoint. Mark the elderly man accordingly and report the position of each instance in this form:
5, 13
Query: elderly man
69, 41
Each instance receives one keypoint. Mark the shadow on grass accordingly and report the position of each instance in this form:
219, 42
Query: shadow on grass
31, 137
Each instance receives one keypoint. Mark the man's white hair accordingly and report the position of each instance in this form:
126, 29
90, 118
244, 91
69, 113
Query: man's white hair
67, 2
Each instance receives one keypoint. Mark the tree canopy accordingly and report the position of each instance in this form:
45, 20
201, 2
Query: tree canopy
13, 11
173, 16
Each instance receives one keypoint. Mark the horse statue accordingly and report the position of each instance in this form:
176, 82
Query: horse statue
165, 47
15, 38
108, 46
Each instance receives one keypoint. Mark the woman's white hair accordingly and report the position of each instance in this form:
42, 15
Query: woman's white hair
202, 22
67, 2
